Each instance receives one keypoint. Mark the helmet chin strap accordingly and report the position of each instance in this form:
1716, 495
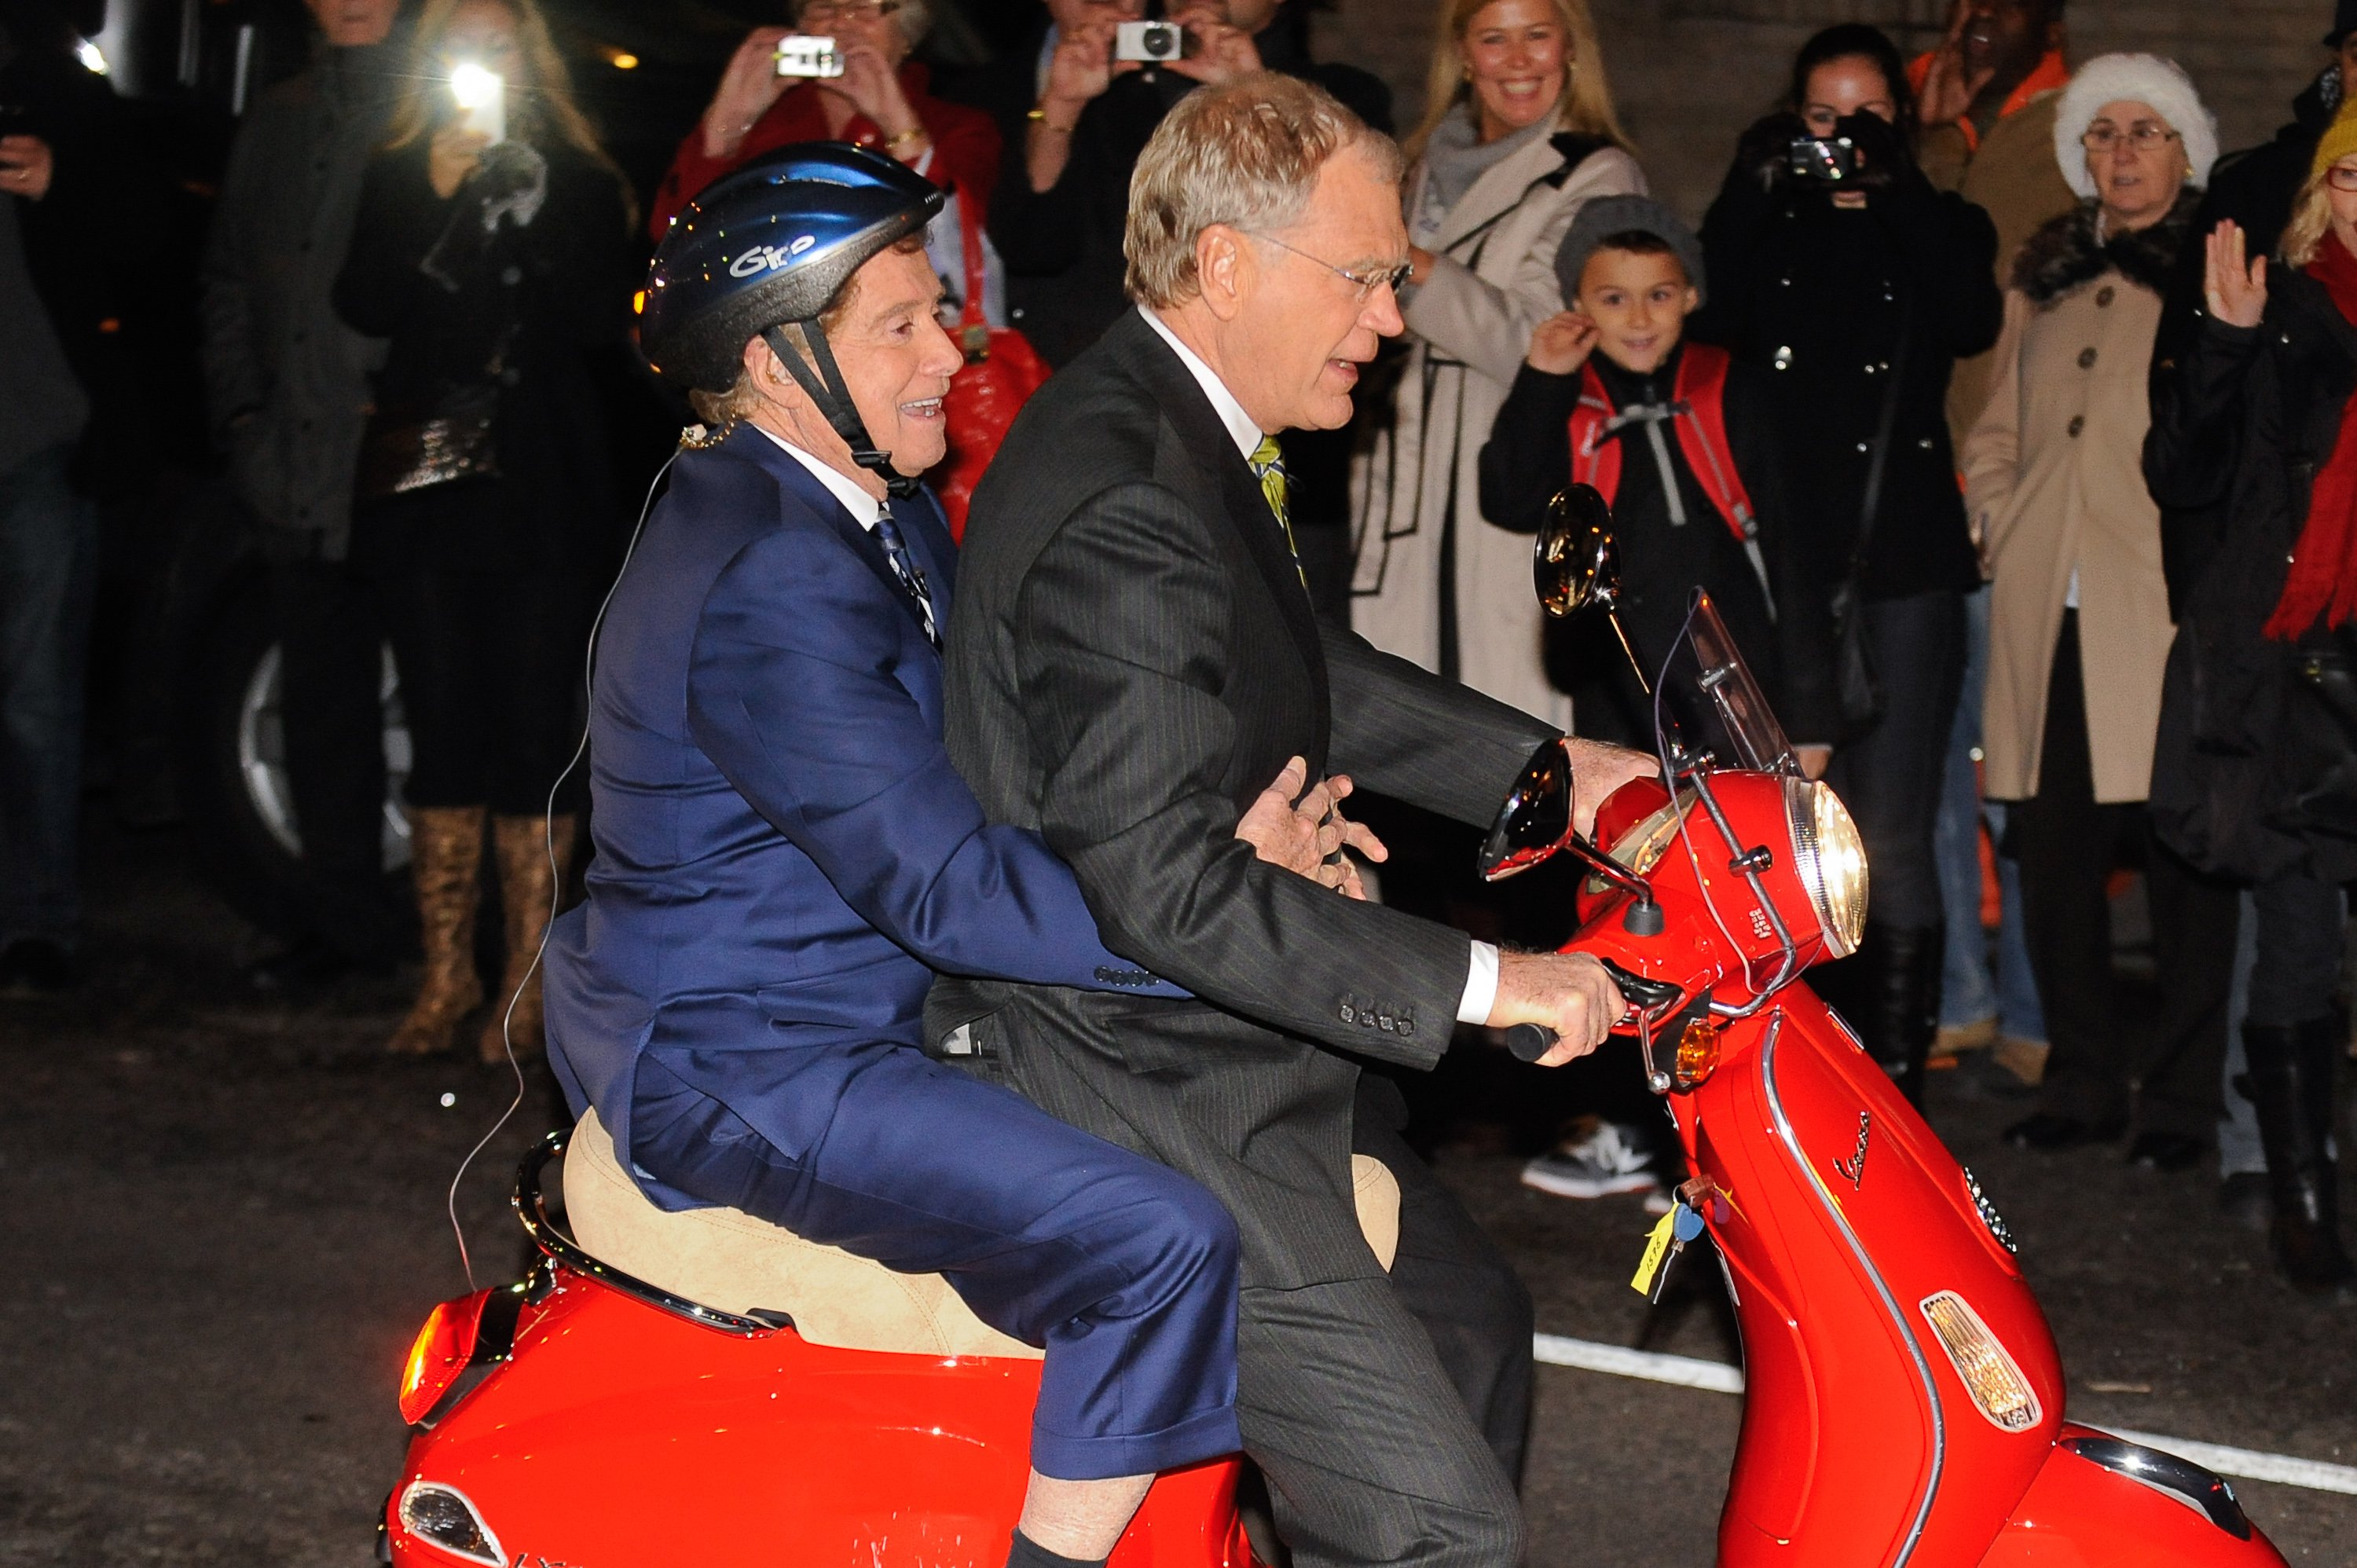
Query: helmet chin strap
826, 388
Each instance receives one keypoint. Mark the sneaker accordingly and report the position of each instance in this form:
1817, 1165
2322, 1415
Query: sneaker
1955, 1039
1610, 1159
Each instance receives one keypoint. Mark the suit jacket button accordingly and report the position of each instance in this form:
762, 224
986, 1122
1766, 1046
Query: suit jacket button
1350, 1015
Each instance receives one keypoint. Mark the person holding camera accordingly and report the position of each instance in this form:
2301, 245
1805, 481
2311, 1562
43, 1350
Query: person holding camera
1837, 269
879, 98
491, 251
1077, 103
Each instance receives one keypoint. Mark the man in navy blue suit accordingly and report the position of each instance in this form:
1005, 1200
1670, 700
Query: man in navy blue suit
785, 856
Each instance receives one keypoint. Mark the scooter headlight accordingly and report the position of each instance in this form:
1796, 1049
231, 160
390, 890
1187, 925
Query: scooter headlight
1831, 858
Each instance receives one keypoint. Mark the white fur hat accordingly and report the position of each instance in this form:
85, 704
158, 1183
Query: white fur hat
2136, 79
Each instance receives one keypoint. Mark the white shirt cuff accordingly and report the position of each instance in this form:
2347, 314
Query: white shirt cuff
1480, 985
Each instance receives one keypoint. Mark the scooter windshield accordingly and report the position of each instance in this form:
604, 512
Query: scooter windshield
1707, 701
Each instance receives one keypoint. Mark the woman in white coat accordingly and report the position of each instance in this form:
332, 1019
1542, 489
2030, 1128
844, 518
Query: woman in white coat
1520, 134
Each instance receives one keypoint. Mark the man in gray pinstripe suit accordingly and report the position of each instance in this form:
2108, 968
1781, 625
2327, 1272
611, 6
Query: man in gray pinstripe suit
1133, 649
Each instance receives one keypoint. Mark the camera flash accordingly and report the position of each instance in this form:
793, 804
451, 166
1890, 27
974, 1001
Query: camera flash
474, 87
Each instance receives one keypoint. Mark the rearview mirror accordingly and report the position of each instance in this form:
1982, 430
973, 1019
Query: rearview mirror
1577, 563
1535, 821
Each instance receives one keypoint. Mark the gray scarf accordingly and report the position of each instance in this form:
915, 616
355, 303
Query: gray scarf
1455, 158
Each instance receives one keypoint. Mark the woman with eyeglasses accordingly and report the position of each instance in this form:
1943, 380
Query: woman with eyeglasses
1519, 134
2256, 773
2080, 624
881, 100
1855, 286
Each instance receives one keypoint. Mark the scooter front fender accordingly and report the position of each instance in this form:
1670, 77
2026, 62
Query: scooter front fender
2102, 1502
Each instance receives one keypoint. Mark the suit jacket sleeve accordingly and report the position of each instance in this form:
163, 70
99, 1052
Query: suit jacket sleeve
791, 696
1404, 732
1124, 638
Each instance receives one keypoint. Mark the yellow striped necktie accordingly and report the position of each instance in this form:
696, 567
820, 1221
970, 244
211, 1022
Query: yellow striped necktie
1268, 466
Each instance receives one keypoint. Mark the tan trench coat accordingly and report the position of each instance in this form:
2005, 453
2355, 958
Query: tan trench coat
1468, 327
2054, 475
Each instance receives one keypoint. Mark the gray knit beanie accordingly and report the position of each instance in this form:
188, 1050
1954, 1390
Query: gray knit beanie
1606, 215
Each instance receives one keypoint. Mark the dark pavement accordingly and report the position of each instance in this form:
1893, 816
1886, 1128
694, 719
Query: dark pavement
220, 1223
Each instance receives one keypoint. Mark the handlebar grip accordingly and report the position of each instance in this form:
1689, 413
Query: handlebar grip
1529, 1042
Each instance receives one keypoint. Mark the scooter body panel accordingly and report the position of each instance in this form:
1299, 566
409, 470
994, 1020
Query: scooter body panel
1857, 1215
619, 1434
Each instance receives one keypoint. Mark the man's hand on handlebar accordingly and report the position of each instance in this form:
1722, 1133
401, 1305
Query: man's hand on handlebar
1597, 770
1305, 832
1570, 994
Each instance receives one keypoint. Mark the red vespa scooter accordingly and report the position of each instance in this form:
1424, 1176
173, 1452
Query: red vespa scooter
1903, 1396
702, 1388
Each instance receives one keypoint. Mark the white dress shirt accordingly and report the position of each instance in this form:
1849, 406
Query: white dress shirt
1481, 980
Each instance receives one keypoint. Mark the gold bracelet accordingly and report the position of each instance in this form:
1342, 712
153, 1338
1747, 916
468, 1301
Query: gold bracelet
1046, 124
913, 133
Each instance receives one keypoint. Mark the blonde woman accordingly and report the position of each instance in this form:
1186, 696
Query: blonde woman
2078, 614
1519, 134
481, 512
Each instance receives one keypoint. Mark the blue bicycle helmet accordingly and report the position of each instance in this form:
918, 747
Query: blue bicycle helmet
772, 243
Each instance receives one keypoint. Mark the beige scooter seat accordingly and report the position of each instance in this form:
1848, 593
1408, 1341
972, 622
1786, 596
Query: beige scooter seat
725, 1259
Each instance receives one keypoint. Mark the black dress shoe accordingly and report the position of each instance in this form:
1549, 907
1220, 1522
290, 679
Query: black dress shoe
2165, 1151
2047, 1131
35, 967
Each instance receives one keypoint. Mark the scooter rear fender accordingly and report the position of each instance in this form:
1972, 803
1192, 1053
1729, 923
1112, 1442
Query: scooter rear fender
2099, 1502
620, 1434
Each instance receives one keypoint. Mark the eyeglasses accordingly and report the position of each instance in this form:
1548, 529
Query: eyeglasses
2144, 136
2341, 178
826, 12
1394, 278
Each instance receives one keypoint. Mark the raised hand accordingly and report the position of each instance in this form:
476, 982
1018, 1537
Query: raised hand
1948, 89
1561, 344
747, 88
1221, 50
2234, 289
454, 154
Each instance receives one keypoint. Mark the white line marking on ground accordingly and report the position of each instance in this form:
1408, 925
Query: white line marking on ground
1717, 1377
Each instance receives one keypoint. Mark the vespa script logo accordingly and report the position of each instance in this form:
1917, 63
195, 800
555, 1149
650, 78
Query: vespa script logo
1853, 1169
768, 258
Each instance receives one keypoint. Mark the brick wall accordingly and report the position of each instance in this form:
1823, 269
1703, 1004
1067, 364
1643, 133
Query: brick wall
1690, 74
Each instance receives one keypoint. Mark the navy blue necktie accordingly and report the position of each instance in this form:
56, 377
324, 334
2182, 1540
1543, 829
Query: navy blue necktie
905, 567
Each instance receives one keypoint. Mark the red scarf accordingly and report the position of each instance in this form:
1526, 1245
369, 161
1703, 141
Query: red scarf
2323, 575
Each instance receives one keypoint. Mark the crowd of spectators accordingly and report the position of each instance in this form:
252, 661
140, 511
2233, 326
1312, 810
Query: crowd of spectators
1988, 398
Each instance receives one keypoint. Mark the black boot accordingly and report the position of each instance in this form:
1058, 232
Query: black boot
1893, 997
2291, 1086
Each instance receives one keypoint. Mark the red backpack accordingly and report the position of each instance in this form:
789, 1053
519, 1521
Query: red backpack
1699, 416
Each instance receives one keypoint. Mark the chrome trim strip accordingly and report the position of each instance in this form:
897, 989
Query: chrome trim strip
1890, 1303
531, 1210
2182, 1479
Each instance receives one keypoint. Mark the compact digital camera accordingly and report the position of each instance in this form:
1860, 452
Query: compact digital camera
808, 55
1150, 42
1830, 159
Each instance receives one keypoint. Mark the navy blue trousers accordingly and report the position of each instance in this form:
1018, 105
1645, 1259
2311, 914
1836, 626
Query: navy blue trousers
1122, 1269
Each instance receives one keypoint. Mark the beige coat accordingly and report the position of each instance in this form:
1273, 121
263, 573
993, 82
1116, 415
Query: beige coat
1468, 327
2053, 478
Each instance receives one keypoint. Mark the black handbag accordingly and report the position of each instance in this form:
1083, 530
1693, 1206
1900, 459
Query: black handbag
1857, 685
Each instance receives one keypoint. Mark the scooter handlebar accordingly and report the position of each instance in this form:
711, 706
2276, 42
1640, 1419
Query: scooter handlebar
1529, 1042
